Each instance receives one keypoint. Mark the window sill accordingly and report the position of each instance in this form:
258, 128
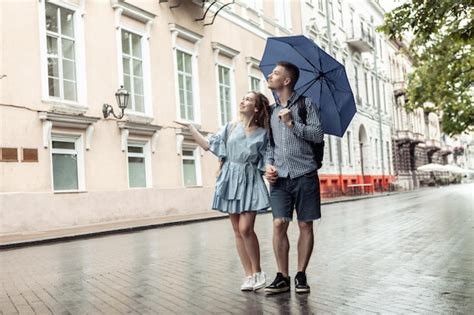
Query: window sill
197, 186
61, 192
66, 107
138, 117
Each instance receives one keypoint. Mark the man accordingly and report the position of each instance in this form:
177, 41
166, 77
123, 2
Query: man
292, 173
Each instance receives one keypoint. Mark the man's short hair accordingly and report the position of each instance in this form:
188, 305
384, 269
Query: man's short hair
292, 70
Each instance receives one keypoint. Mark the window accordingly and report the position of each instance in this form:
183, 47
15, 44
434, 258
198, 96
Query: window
255, 84
283, 13
321, 5
377, 161
373, 90
132, 63
366, 88
331, 9
356, 79
190, 172
137, 174
331, 160
185, 85
61, 53
384, 97
339, 8
349, 148
255, 4
352, 24
66, 157
389, 166
224, 95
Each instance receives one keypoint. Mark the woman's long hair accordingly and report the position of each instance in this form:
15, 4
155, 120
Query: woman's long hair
261, 118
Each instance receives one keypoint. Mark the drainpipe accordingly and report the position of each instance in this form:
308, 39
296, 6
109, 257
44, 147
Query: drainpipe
338, 142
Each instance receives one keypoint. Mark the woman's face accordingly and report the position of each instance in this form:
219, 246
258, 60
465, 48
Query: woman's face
248, 105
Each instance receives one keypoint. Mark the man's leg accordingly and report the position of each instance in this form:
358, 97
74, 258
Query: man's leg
281, 244
308, 208
305, 244
282, 208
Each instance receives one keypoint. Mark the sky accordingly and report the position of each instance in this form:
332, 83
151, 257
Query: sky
388, 5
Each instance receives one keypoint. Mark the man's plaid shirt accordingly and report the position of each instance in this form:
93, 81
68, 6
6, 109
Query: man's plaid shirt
292, 155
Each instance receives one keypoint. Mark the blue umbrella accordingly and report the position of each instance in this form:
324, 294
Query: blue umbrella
322, 78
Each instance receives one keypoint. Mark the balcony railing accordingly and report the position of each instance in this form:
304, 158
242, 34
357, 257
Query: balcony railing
418, 137
446, 149
361, 40
433, 144
399, 88
404, 135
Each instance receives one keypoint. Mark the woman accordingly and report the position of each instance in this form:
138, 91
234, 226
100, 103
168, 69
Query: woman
240, 189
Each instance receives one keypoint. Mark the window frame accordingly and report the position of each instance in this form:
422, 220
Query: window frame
147, 161
79, 54
197, 163
78, 141
231, 93
194, 81
147, 106
131, 104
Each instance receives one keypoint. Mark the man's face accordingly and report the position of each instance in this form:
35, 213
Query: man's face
278, 78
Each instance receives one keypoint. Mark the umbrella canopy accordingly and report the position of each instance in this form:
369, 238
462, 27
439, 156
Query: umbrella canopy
432, 167
322, 78
454, 169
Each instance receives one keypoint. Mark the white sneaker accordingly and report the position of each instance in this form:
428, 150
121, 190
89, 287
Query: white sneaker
248, 284
260, 279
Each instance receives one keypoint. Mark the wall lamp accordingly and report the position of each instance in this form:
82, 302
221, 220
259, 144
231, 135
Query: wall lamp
122, 96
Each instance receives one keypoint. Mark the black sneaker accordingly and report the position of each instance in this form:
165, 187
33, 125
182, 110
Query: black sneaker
279, 285
301, 285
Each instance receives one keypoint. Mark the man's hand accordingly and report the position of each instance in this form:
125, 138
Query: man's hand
271, 174
285, 115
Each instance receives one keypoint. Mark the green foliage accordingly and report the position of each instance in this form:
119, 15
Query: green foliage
443, 62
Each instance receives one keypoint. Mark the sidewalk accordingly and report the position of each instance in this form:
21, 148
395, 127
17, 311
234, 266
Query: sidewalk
408, 253
37, 237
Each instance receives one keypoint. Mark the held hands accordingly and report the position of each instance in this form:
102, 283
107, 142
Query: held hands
285, 116
271, 174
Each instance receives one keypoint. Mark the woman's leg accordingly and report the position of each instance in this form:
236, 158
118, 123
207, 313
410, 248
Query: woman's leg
239, 242
250, 240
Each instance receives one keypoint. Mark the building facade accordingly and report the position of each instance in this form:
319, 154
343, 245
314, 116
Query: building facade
346, 29
63, 164
417, 136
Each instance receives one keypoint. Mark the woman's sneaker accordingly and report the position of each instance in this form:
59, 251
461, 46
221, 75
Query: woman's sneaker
248, 284
260, 279
301, 284
279, 285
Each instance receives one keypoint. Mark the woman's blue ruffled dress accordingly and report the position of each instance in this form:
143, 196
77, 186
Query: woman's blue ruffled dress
240, 186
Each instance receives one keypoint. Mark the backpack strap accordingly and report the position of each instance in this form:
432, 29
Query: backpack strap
270, 132
302, 112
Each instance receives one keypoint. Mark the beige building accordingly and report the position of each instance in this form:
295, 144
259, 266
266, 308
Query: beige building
63, 164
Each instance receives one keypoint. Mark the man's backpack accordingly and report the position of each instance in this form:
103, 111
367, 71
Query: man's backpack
317, 148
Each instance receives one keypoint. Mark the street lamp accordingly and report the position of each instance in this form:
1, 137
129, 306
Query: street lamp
122, 100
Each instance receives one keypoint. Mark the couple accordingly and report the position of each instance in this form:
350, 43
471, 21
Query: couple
274, 141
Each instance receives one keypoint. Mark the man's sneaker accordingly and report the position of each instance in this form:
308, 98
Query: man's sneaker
279, 285
248, 284
301, 285
259, 280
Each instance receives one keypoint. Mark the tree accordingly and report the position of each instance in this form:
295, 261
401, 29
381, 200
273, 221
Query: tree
442, 56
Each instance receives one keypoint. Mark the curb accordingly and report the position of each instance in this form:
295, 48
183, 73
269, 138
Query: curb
67, 238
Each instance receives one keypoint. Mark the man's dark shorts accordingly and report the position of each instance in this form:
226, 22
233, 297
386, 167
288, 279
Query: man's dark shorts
300, 193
